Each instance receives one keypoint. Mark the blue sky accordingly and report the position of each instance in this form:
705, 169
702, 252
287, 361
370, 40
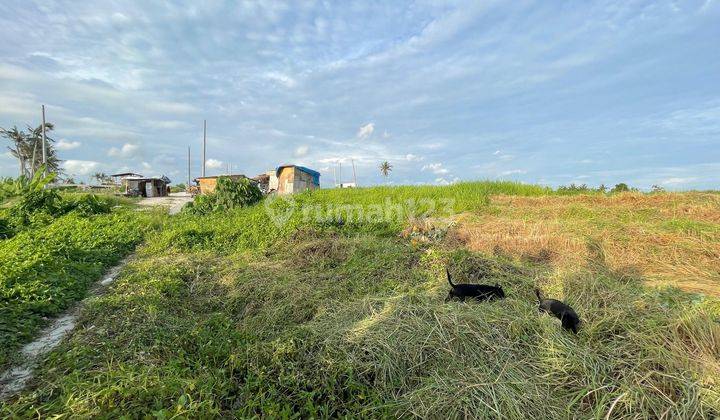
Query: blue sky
541, 92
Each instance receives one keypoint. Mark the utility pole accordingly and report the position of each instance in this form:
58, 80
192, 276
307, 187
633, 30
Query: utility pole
44, 154
354, 176
188, 182
204, 146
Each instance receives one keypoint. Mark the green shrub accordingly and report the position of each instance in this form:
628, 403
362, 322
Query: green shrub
621, 187
6, 231
229, 193
88, 205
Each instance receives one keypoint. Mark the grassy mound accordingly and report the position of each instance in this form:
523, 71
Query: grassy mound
233, 315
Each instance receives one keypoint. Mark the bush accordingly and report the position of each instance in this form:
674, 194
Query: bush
229, 193
6, 230
178, 188
88, 205
621, 187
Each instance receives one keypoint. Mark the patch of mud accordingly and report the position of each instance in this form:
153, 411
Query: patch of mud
16, 378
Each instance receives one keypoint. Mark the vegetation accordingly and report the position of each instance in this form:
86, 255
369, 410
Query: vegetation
263, 311
229, 193
53, 248
602, 189
26, 147
102, 178
385, 169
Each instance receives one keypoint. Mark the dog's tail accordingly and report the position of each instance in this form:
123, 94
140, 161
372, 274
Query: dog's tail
447, 273
539, 296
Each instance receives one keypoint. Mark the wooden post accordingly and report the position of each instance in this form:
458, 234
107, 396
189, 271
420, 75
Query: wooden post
44, 154
204, 146
354, 176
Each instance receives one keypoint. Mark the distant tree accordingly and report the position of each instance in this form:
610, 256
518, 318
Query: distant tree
657, 189
27, 149
621, 187
19, 146
602, 188
102, 178
385, 169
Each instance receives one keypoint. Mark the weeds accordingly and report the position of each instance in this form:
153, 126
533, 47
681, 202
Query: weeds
233, 315
47, 268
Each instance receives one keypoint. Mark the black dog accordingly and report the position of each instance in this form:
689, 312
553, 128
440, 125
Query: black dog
570, 320
477, 291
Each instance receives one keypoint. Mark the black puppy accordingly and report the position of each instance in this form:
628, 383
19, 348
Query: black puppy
570, 320
477, 291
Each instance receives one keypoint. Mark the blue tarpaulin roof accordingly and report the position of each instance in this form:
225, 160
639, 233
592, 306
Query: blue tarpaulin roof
314, 174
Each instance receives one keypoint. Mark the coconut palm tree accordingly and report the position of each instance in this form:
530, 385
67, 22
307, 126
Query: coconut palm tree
385, 169
35, 138
27, 147
20, 146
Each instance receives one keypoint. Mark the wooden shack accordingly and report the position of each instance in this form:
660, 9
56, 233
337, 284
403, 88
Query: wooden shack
138, 185
294, 178
207, 184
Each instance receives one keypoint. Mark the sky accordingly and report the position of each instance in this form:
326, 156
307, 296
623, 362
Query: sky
547, 92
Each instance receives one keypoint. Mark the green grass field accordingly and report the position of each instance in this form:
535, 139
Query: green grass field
339, 311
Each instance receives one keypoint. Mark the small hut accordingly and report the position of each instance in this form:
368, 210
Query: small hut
138, 185
294, 178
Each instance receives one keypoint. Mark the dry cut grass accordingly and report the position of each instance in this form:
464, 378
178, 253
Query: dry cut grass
668, 239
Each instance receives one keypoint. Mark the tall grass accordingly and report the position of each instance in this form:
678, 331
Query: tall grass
231, 315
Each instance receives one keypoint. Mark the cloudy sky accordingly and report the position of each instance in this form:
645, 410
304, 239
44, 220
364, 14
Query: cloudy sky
542, 92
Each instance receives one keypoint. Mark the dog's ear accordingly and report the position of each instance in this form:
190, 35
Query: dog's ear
498, 285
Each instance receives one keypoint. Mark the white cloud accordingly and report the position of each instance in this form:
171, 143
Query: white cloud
63, 144
514, 172
497, 152
127, 150
281, 78
172, 107
366, 131
80, 167
413, 158
213, 163
445, 181
169, 125
436, 168
301, 150
678, 181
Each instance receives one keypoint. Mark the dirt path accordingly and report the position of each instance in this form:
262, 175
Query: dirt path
16, 378
174, 202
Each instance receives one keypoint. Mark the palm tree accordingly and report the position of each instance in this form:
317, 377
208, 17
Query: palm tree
35, 136
385, 169
20, 146
26, 148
